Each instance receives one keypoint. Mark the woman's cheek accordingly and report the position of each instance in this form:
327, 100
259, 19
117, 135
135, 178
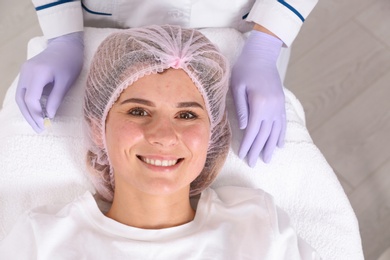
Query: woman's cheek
123, 135
129, 132
197, 136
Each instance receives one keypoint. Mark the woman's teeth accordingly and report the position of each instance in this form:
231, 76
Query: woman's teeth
159, 162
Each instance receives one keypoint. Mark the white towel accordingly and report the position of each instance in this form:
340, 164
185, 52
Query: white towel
49, 168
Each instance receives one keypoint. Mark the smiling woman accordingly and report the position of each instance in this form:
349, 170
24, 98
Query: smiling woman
180, 64
156, 120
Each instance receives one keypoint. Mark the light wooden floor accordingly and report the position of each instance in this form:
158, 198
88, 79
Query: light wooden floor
340, 70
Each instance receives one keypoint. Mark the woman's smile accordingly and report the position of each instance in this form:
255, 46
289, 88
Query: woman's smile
160, 161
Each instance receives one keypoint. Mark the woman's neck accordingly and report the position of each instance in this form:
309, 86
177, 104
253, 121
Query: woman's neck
151, 211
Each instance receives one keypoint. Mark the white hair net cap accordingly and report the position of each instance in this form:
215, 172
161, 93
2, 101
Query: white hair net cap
124, 57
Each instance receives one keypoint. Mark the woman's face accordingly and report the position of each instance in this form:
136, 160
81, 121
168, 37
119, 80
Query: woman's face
157, 134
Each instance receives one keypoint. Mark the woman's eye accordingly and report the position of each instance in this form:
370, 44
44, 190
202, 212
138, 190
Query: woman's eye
138, 112
187, 115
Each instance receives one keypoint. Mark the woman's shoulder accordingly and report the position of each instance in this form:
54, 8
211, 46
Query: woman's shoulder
231, 195
62, 209
232, 201
71, 213
253, 215
42, 226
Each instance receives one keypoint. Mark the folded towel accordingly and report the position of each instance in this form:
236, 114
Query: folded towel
49, 168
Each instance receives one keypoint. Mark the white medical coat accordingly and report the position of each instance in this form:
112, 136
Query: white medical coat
283, 18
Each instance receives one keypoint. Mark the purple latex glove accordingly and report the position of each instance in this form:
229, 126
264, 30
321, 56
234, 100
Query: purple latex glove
51, 73
259, 98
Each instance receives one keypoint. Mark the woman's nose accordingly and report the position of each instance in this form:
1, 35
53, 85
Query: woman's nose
162, 132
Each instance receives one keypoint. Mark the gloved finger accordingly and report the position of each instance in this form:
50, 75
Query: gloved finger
241, 104
282, 135
272, 141
32, 99
27, 96
20, 94
250, 134
55, 98
259, 143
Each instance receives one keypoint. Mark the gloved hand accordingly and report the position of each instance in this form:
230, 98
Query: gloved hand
258, 96
54, 70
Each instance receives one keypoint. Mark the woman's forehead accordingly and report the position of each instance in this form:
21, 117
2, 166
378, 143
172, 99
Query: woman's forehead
173, 85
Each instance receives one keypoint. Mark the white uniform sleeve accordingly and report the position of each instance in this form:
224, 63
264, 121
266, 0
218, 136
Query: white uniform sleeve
20, 243
60, 17
283, 18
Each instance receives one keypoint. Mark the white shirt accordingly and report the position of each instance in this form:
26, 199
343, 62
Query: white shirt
230, 223
283, 18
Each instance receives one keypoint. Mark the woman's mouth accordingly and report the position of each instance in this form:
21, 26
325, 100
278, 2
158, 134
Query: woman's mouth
159, 162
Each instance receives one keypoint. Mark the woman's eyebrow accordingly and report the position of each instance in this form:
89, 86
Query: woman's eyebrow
151, 104
138, 101
189, 104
